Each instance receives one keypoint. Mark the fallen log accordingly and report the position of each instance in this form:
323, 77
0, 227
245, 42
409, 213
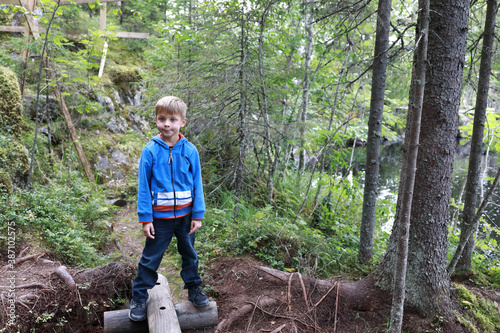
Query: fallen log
189, 318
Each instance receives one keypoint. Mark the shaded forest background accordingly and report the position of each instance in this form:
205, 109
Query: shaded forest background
278, 96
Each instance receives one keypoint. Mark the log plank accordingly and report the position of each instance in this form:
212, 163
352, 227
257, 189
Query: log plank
117, 321
162, 317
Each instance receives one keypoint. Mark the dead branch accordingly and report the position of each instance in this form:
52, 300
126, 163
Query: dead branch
253, 313
336, 308
62, 272
324, 296
23, 251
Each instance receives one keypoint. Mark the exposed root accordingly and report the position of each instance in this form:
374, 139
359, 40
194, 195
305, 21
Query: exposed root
62, 272
23, 259
289, 296
29, 285
243, 311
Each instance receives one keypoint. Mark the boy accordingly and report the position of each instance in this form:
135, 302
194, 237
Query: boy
170, 202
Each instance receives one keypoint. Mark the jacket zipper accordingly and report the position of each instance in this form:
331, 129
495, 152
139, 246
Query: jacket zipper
170, 161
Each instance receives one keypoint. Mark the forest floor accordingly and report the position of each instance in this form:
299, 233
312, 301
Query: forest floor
250, 297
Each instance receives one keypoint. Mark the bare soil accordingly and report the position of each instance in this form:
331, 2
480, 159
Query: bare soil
250, 297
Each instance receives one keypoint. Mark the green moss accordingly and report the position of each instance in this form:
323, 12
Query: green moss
5, 181
482, 311
120, 74
11, 120
469, 326
14, 159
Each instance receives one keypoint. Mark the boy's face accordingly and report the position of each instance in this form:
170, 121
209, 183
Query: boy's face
169, 125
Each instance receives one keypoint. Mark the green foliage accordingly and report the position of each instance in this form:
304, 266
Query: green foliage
480, 310
69, 221
486, 256
278, 237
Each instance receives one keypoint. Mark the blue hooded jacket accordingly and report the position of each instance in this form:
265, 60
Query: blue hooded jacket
170, 182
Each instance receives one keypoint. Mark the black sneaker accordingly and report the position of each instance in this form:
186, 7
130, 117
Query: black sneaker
197, 297
137, 311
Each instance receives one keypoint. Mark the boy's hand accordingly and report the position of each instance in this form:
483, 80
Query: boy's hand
148, 230
195, 225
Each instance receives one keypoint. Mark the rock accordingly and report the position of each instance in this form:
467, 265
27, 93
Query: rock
102, 163
119, 157
139, 124
107, 103
119, 202
116, 125
117, 175
137, 97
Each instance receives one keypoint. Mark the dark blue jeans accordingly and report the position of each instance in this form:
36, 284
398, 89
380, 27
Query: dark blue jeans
153, 253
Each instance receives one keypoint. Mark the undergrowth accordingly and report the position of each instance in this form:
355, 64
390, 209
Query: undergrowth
68, 221
320, 242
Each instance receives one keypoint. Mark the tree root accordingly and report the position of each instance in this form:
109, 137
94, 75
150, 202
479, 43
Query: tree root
62, 272
243, 311
29, 285
23, 259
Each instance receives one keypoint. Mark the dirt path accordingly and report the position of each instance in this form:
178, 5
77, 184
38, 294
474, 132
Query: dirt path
127, 230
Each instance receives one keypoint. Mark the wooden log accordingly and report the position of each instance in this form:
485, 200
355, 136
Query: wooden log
10, 2
119, 322
189, 318
10, 28
162, 317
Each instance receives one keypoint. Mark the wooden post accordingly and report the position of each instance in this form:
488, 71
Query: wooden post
189, 318
162, 317
29, 26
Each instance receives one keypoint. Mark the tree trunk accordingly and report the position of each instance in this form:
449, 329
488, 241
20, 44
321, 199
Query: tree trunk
265, 108
428, 284
474, 172
374, 131
415, 110
305, 88
240, 164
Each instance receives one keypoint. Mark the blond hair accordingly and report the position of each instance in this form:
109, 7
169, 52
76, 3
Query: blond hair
171, 105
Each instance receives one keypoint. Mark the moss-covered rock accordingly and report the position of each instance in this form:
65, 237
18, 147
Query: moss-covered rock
14, 161
121, 74
481, 311
11, 119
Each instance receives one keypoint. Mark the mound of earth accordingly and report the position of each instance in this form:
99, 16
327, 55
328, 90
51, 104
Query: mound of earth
254, 298
46, 296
